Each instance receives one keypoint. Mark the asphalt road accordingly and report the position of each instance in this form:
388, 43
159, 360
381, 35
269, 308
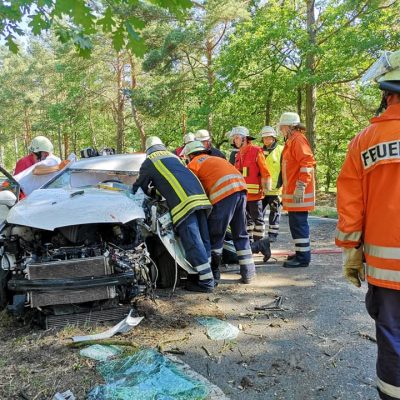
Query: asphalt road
321, 346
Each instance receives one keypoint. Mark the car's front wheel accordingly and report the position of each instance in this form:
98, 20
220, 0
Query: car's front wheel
167, 270
3, 288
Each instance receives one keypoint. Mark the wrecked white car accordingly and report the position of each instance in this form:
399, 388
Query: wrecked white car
83, 241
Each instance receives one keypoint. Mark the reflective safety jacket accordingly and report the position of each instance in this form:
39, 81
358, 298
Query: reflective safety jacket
250, 161
298, 164
368, 198
218, 177
273, 160
180, 187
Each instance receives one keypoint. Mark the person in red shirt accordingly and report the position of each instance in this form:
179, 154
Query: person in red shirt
35, 155
25, 162
188, 138
250, 161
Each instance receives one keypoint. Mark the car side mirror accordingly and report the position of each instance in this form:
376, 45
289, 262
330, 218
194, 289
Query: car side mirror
7, 198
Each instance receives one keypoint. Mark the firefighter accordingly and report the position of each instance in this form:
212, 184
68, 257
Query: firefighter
203, 136
298, 190
189, 137
272, 152
368, 198
226, 189
250, 161
188, 204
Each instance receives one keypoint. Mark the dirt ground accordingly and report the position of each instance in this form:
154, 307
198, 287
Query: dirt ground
321, 346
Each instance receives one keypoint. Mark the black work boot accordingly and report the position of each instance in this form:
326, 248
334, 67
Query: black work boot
203, 287
262, 246
295, 263
215, 263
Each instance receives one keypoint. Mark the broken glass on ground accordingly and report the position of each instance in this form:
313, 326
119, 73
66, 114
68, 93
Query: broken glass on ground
217, 329
146, 375
100, 352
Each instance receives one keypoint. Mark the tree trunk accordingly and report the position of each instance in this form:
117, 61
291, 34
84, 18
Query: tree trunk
2, 156
328, 179
119, 109
311, 91
184, 127
135, 113
299, 102
210, 80
59, 141
16, 147
66, 142
268, 105
27, 132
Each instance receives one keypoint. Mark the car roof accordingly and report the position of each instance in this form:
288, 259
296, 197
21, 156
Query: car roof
117, 162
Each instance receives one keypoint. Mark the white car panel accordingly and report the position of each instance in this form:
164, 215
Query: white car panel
53, 208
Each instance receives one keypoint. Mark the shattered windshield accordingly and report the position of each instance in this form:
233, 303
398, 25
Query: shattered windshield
75, 178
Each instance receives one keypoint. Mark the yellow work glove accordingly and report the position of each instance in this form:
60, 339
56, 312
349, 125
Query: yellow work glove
298, 194
353, 266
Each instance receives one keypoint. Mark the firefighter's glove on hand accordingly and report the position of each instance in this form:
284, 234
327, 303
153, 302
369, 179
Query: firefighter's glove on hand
266, 184
298, 194
63, 164
353, 267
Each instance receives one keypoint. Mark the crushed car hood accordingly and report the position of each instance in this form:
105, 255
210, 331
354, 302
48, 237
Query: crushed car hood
54, 208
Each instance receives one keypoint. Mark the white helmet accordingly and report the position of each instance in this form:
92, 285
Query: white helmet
289, 118
386, 68
189, 137
153, 141
268, 131
193, 147
41, 143
202, 135
386, 71
242, 131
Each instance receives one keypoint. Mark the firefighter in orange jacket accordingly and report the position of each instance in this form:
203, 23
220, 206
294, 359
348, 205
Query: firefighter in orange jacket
226, 190
298, 189
368, 198
250, 161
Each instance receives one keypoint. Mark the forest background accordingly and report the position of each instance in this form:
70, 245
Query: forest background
166, 68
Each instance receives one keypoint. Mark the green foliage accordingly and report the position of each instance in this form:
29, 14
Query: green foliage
80, 20
220, 64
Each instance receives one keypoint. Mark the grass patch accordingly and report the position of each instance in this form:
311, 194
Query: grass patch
324, 212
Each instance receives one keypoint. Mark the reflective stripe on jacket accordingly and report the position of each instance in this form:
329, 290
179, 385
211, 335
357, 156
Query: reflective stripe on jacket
298, 164
250, 161
180, 187
273, 160
368, 198
218, 177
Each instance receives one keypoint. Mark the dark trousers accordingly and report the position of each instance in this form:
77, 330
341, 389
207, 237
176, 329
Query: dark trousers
274, 203
383, 305
255, 219
232, 211
298, 224
195, 239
